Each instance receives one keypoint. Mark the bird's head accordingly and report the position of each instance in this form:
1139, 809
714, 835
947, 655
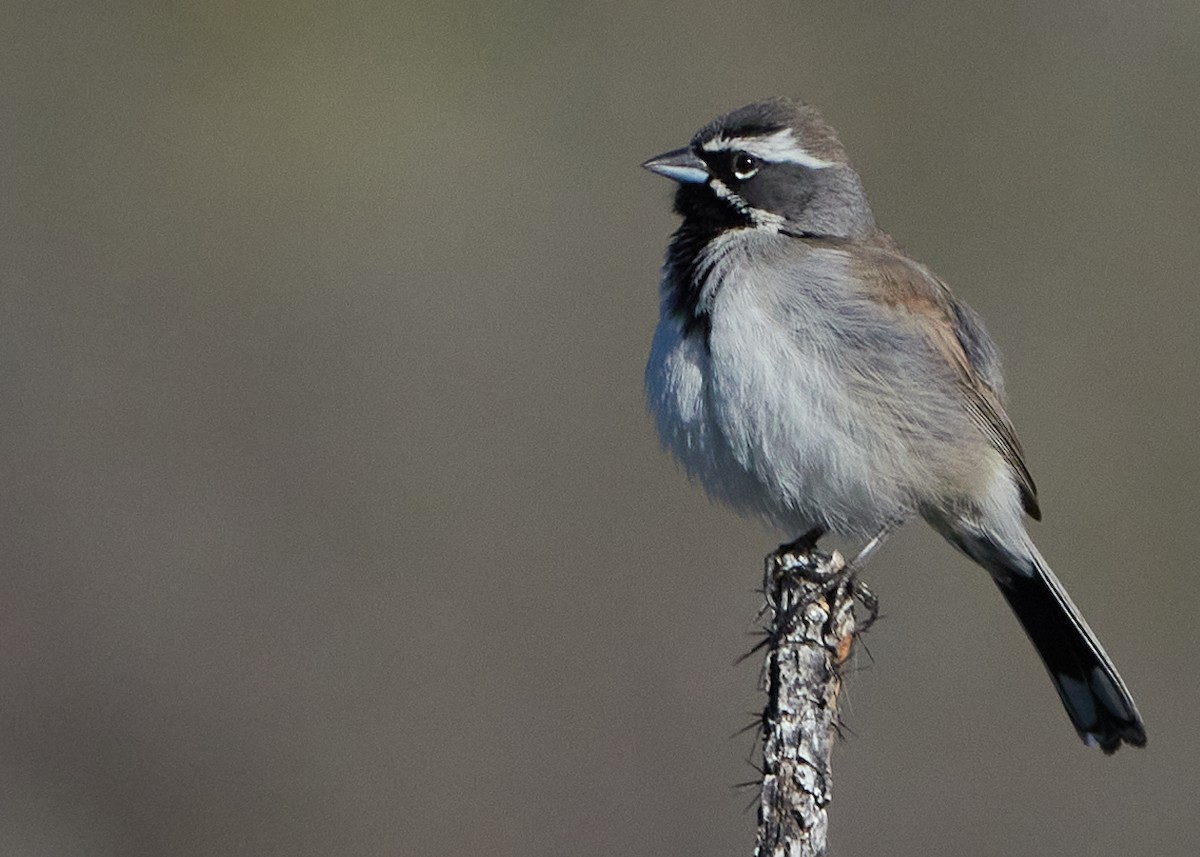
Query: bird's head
775, 165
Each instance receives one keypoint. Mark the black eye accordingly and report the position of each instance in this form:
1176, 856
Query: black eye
745, 166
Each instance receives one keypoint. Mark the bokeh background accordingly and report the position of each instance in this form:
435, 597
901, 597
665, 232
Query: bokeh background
331, 519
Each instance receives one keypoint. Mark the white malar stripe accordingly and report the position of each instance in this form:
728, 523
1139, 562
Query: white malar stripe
778, 148
760, 218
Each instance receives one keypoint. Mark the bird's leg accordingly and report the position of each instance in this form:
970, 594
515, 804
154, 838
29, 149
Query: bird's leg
861, 591
799, 556
876, 542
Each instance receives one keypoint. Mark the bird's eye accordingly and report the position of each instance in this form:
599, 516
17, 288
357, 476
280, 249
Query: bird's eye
745, 166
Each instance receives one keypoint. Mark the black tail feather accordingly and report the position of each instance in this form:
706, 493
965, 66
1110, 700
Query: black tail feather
1094, 695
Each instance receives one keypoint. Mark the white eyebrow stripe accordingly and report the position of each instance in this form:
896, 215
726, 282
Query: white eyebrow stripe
778, 148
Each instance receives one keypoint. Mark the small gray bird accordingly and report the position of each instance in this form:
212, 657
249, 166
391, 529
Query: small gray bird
807, 372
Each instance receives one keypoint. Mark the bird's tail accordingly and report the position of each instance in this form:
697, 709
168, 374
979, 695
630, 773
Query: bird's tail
1091, 690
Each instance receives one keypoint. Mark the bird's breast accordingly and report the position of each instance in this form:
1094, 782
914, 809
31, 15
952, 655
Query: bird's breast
757, 409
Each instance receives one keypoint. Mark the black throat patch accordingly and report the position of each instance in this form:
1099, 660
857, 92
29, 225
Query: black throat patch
705, 217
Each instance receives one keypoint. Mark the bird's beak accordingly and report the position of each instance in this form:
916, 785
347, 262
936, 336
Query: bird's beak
681, 165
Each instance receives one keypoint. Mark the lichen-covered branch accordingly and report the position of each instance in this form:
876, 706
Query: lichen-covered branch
812, 625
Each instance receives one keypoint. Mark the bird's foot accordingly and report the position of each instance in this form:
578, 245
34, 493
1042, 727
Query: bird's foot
801, 558
866, 597
797, 556
806, 544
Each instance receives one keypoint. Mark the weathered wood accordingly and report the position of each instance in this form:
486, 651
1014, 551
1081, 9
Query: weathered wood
810, 632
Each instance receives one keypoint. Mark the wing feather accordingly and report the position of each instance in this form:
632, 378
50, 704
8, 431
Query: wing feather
958, 335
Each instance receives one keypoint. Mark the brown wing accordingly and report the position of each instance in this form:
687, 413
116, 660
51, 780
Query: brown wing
957, 334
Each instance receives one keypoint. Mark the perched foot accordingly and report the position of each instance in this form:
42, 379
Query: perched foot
800, 558
797, 557
797, 576
806, 544
864, 596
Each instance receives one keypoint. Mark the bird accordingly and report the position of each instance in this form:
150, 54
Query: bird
807, 372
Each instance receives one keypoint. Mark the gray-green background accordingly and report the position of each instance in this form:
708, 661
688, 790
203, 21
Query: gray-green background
331, 519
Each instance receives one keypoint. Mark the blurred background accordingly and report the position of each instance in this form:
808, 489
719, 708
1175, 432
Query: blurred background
332, 521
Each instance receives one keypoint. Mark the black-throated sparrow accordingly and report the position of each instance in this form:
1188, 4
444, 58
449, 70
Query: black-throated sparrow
807, 372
